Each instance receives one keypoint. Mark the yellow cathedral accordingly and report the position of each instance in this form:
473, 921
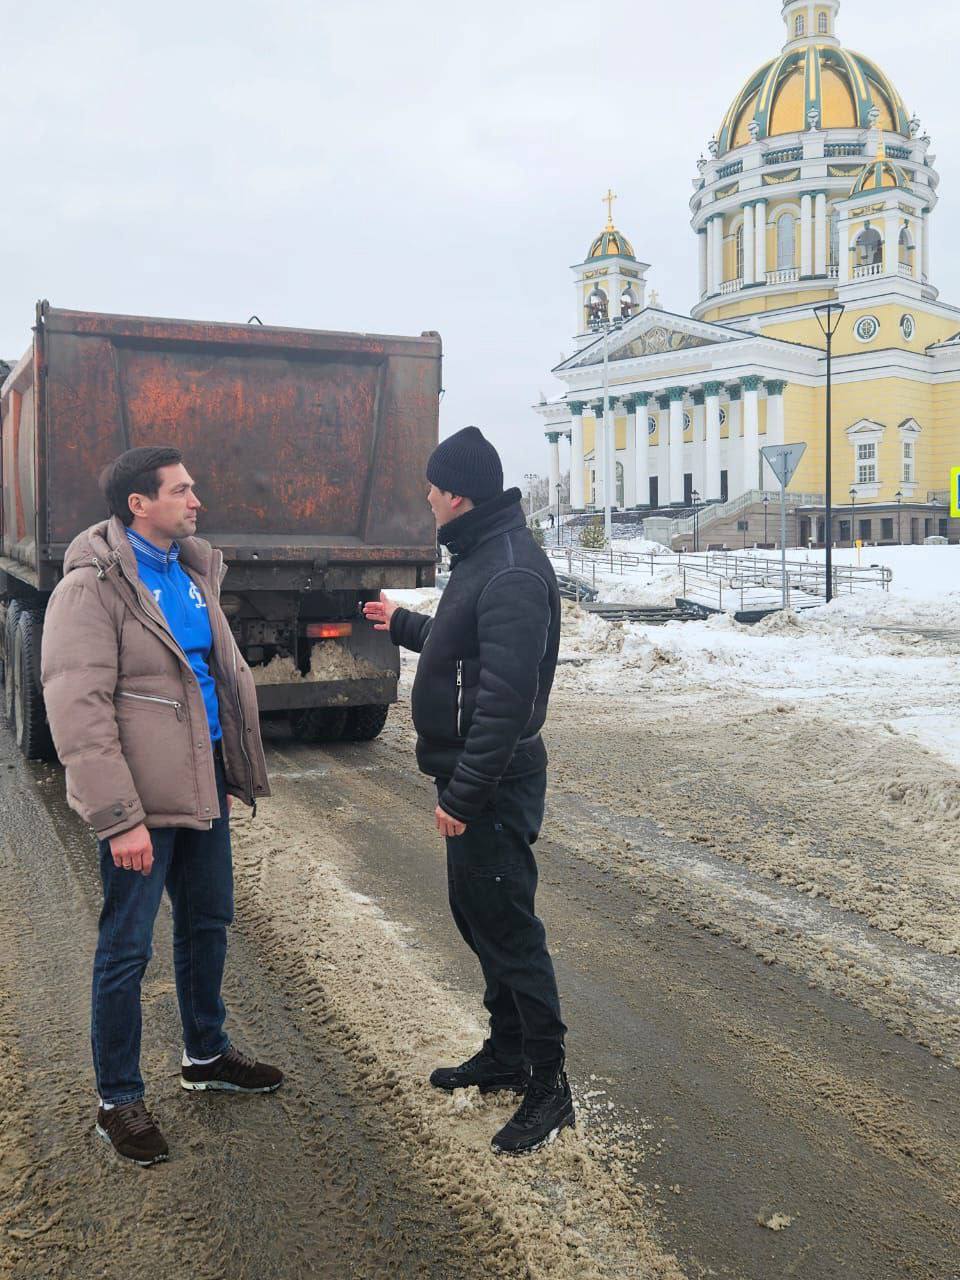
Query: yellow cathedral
819, 188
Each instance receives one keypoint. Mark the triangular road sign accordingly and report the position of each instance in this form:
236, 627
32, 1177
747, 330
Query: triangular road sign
783, 459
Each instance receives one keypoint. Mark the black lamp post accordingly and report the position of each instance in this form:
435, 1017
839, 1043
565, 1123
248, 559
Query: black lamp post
766, 502
899, 497
696, 511
853, 515
828, 317
559, 527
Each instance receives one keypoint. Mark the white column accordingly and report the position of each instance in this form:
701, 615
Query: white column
553, 440
891, 244
676, 395
576, 455
760, 211
806, 235
698, 462
716, 226
843, 250
749, 246
751, 432
711, 482
775, 427
704, 259
734, 420
642, 481
820, 235
663, 451
630, 456
925, 248
599, 457
711, 258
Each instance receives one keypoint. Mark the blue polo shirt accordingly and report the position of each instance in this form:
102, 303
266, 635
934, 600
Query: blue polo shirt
182, 604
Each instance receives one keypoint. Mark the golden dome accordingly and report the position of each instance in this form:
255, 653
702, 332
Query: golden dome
841, 86
611, 243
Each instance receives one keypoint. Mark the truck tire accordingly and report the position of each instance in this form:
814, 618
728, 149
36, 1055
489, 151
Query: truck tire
32, 730
318, 724
365, 723
9, 631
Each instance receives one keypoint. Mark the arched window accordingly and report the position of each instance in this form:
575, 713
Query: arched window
739, 271
906, 247
833, 221
822, 25
628, 302
786, 241
799, 27
869, 247
620, 489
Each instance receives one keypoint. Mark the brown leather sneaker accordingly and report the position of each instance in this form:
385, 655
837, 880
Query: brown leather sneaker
233, 1072
133, 1133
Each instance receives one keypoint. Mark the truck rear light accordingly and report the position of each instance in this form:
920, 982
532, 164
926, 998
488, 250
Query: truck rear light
328, 630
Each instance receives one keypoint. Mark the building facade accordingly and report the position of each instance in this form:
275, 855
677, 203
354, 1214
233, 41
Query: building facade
819, 188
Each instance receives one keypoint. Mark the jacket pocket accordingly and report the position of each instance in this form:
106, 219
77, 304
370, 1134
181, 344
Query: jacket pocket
154, 702
157, 746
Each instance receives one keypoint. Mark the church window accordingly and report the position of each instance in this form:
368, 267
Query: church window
909, 459
834, 224
822, 24
786, 241
886, 528
799, 26
866, 328
869, 247
739, 271
906, 247
866, 452
867, 473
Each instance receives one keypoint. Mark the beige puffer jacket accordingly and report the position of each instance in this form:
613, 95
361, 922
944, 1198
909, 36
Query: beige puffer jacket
126, 712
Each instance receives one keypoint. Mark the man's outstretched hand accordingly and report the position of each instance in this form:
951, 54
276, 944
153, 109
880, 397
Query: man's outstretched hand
448, 826
379, 612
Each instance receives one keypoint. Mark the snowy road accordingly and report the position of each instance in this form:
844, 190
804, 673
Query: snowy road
752, 899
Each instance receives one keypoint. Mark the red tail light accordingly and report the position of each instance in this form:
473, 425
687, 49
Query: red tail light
328, 630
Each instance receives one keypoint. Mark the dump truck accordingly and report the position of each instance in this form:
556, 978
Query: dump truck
309, 451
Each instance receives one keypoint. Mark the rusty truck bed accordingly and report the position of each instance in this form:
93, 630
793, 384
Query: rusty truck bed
308, 447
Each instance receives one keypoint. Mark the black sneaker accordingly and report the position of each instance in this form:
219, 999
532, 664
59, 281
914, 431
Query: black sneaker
485, 1071
133, 1133
233, 1072
545, 1110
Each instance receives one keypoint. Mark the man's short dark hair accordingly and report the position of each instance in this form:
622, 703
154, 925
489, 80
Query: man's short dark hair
136, 471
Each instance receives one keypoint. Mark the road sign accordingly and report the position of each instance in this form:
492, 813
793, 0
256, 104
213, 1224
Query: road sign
783, 459
955, 492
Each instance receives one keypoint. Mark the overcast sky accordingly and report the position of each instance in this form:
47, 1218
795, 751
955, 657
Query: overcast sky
395, 167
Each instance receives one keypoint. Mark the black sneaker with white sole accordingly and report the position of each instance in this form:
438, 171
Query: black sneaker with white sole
133, 1133
488, 1073
547, 1107
232, 1072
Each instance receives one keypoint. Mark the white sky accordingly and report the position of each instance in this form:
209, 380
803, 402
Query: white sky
395, 167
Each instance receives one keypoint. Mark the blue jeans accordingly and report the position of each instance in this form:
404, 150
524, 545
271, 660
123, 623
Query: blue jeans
196, 868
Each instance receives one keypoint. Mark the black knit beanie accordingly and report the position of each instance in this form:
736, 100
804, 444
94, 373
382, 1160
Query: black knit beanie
466, 464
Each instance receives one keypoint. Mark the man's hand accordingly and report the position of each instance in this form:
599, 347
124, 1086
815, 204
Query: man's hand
133, 850
379, 612
448, 826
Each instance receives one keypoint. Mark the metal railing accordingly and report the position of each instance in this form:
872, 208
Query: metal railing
723, 510
722, 580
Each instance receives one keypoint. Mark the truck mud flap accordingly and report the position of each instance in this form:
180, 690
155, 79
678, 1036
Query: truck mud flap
327, 693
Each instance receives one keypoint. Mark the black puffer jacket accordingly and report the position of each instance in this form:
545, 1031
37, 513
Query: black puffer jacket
487, 659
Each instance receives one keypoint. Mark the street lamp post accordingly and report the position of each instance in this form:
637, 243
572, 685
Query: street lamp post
696, 512
766, 502
899, 497
828, 317
559, 526
530, 476
853, 515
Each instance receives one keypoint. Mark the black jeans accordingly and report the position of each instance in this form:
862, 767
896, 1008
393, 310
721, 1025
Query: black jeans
492, 881
196, 869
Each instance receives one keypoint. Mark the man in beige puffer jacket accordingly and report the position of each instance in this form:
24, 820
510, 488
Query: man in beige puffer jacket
154, 716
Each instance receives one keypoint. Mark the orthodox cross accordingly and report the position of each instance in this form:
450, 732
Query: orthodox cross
608, 200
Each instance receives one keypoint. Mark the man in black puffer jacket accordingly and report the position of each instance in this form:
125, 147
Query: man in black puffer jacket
479, 701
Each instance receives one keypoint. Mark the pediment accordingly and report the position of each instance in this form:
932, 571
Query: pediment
652, 333
866, 427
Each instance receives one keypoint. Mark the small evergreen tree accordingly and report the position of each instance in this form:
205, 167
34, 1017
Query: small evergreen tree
592, 536
537, 531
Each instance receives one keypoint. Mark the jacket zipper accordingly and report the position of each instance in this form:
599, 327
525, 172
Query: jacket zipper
146, 697
459, 699
243, 734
